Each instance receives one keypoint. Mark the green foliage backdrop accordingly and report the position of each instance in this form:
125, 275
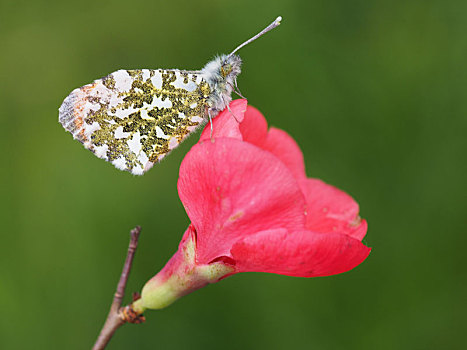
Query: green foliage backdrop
373, 91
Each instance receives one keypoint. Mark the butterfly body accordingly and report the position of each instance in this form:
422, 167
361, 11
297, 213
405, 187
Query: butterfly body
134, 118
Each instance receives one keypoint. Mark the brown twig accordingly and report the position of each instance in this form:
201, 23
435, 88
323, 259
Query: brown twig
118, 316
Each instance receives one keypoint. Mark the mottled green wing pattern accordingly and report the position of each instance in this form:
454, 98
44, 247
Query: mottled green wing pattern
133, 118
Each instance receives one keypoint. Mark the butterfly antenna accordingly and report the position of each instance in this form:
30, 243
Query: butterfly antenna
264, 31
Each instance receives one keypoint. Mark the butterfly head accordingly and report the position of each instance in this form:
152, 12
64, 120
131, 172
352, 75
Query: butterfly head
230, 66
221, 74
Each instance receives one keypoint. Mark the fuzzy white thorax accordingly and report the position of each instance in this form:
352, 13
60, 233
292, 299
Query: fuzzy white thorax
220, 74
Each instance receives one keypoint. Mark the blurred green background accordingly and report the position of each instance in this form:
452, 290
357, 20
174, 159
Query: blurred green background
373, 91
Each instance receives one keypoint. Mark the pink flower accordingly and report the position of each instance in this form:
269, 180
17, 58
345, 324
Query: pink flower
252, 208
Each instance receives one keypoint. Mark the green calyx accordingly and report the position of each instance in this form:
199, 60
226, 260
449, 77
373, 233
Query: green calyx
181, 276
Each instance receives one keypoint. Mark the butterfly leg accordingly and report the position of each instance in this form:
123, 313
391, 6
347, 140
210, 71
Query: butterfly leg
228, 108
237, 90
210, 121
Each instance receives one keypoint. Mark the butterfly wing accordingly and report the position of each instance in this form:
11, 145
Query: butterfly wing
133, 118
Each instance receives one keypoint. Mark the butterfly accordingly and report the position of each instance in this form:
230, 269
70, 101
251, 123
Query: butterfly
134, 118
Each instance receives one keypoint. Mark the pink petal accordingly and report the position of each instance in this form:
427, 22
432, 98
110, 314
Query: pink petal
302, 254
283, 146
331, 210
231, 189
254, 127
226, 124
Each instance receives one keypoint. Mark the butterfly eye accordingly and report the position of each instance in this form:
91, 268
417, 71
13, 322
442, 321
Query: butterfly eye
226, 70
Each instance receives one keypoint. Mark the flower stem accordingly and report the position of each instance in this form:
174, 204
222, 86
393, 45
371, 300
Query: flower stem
116, 316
